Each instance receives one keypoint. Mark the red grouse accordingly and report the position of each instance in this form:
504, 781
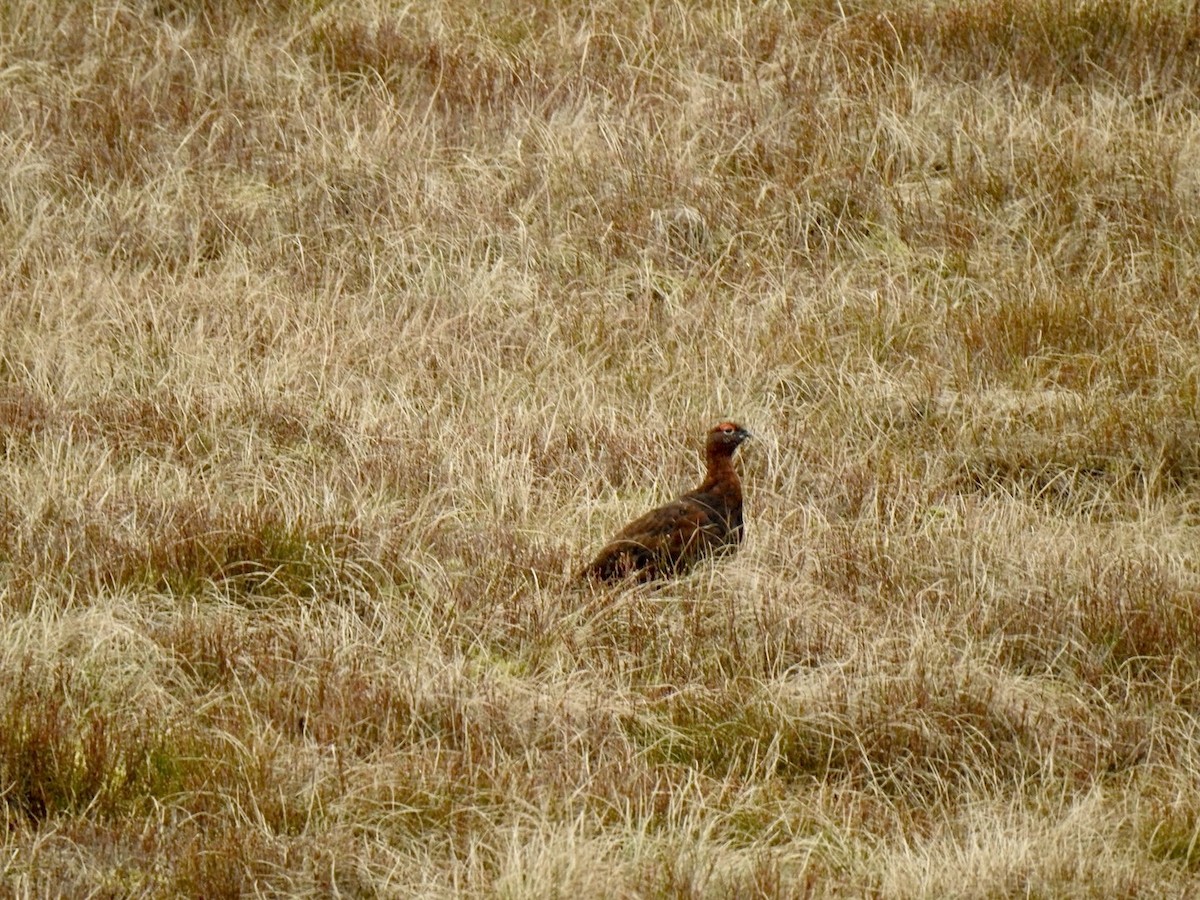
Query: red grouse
704, 522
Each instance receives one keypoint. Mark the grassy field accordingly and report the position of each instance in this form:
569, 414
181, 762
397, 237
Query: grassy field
336, 335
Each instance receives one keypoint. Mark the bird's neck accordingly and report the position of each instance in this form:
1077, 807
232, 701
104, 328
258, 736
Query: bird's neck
721, 476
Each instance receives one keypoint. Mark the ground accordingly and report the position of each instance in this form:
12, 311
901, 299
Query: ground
336, 336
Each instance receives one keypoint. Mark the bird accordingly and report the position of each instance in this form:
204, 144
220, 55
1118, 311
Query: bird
704, 522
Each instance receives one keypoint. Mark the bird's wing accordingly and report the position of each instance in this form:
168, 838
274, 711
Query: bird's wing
681, 526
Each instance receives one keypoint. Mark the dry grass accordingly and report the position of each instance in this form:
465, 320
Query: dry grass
336, 334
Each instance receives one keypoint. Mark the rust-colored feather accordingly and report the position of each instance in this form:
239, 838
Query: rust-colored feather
704, 522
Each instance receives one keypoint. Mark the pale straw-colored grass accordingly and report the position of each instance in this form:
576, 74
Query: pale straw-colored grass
337, 335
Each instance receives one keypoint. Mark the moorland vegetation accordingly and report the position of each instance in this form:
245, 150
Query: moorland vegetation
336, 335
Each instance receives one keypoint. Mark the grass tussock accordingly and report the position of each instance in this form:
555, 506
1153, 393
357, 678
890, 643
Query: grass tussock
336, 335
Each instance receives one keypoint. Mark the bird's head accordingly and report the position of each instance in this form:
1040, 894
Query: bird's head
727, 436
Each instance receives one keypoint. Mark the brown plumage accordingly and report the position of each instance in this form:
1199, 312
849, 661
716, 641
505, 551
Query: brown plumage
704, 522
